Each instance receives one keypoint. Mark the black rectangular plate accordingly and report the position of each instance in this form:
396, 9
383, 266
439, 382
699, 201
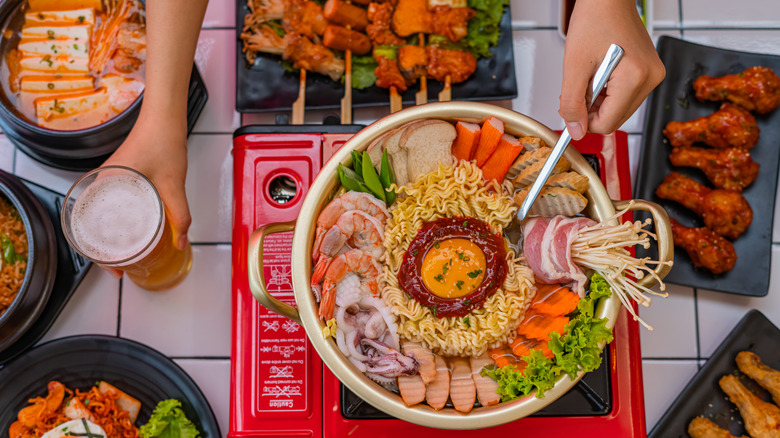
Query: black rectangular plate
684, 62
267, 86
703, 397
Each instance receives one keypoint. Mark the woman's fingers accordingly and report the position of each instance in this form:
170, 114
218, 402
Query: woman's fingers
574, 94
173, 195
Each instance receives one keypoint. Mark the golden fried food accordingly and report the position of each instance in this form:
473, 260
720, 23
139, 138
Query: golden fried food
706, 248
725, 212
755, 89
730, 126
731, 169
703, 428
769, 378
762, 419
457, 64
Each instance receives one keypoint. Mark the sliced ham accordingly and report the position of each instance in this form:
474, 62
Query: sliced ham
462, 389
547, 248
438, 391
424, 357
487, 388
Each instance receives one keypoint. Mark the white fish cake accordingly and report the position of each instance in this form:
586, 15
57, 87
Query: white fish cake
56, 84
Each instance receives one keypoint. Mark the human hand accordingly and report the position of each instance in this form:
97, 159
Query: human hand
594, 25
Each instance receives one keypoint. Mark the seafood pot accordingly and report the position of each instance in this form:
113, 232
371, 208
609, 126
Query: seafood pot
600, 206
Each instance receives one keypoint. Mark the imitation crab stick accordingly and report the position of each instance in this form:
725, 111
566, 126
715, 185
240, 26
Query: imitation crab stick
502, 158
554, 300
492, 131
466, 142
522, 346
502, 356
538, 326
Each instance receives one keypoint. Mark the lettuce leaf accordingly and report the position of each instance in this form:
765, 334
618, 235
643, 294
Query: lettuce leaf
483, 29
576, 350
363, 71
168, 421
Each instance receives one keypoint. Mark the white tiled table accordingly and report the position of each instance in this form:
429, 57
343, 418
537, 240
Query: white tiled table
192, 322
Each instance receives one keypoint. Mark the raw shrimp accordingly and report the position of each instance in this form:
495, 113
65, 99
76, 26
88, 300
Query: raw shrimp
348, 201
353, 263
355, 227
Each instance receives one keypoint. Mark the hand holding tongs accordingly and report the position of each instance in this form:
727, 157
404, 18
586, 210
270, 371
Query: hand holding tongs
603, 73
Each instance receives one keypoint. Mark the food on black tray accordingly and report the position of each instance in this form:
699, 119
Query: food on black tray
706, 248
424, 293
769, 378
73, 66
730, 126
755, 89
13, 261
701, 427
731, 168
762, 419
725, 212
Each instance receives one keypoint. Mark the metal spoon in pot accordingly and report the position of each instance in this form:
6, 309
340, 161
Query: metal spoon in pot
603, 73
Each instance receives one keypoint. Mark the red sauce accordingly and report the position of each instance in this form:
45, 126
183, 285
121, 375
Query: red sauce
478, 232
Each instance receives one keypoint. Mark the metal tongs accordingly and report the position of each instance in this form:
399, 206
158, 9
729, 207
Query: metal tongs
603, 73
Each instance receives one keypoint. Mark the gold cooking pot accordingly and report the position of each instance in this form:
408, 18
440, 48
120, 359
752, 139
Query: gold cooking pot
600, 206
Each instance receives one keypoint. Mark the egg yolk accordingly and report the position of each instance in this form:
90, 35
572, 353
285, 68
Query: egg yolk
453, 268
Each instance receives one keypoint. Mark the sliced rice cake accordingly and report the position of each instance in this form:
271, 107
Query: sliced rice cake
54, 48
56, 84
553, 201
78, 33
74, 16
569, 180
55, 64
67, 105
530, 173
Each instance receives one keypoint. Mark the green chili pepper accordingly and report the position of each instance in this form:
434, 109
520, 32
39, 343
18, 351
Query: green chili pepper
351, 180
357, 163
387, 178
371, 178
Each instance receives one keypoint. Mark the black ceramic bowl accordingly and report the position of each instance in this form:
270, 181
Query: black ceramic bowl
73, 150
41, 261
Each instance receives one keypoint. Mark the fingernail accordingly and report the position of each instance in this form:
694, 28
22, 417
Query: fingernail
575, 130
182, 243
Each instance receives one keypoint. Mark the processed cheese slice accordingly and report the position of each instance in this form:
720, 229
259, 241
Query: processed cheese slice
67, 105
74, 16
56, 84
55, 64
79, 34
54, 48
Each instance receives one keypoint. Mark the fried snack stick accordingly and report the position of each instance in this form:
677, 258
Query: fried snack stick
762, 419
703, 428
769, 378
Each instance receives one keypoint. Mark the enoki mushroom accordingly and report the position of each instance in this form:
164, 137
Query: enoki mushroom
602, 248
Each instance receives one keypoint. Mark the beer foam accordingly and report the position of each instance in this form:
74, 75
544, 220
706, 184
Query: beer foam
115, 218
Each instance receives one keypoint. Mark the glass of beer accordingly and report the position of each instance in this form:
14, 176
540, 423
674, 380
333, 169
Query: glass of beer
114, 216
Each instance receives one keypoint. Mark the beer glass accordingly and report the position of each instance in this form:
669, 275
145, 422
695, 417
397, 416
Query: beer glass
114, 216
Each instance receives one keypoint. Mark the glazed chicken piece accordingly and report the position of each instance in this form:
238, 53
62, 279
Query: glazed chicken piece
730, 126
411, 17
769, 378
731, 168
703, 428
762, 419
725, 212
309, 56
451, 22
755, 89
304, 17
412, 62
380, 16
706, 248
458, 64
388, 75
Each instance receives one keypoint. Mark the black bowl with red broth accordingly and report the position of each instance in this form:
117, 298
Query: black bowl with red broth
28, 256
63, 102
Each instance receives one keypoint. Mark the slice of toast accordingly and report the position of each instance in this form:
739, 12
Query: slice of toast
569, 180
530, 173
428, 143
397, 156
553, 201
526, 159
376, 148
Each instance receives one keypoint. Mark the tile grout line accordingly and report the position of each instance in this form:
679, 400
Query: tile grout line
119, 310
680, 17
696, 318
670, 359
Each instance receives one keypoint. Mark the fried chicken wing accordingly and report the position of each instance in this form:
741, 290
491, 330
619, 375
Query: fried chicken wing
731, 168
706, 248
703, 428
725, 212
380, 16
451, 22
458, 64
411, 17
730, 126
313, 57
755, 89
762, 419
413, 62
388, 75
304, 17
769, 378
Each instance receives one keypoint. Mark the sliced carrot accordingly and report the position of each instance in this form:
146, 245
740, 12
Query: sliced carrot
492, 130
555, 301
522, 346
537, 326
502, 158
502, 356
466, 141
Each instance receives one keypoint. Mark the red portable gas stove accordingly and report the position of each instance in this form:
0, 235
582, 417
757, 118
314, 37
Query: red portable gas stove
279, 385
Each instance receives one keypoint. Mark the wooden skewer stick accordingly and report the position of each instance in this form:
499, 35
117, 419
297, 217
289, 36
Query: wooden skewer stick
395, 101
421, 97
346, 101
299, 105
445, 95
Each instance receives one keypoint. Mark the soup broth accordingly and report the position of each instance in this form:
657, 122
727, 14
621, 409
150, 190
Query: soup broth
74, 64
